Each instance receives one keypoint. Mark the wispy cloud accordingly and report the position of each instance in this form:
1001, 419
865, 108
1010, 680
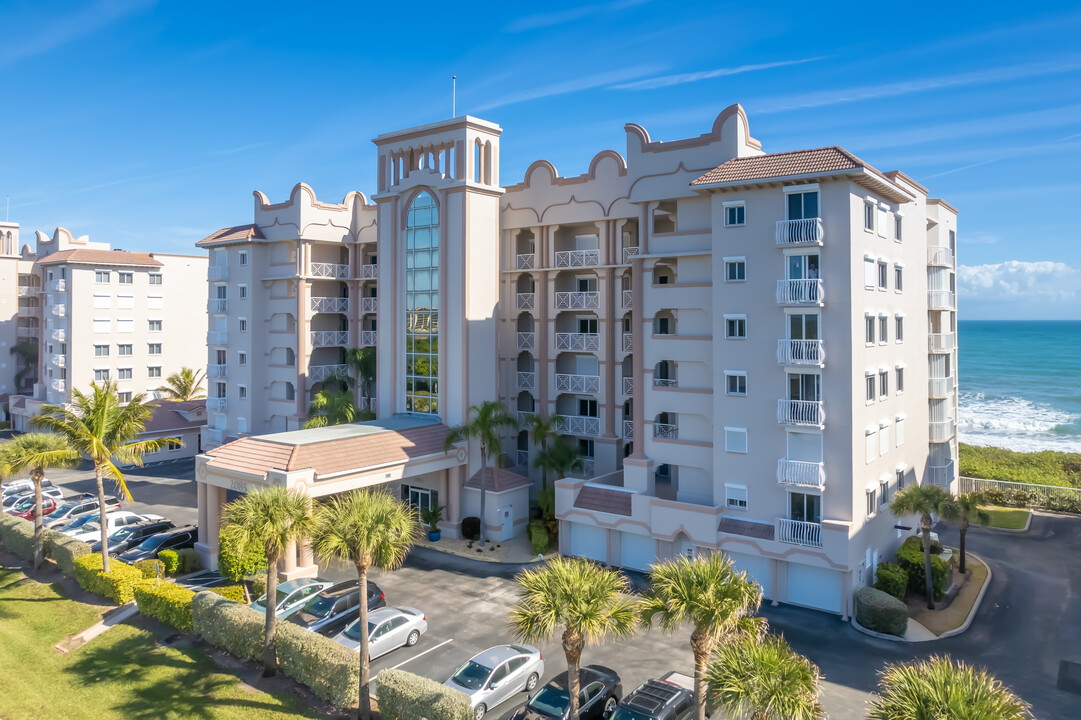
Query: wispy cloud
59, 29
1014, 280
240, 148
683, 78
588, 82
561, 17
979, 238
1062, 144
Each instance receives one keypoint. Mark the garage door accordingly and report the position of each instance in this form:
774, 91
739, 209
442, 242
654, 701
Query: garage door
814, 587
637, 552
589, 542
757, 568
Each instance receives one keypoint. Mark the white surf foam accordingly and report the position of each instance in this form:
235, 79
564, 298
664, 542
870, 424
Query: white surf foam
1014, 423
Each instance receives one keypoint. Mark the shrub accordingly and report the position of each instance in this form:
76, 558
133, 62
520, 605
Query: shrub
538, 537
1041, 468
65, 551
910, 558
405, 696
471, 527
165, 601
17, 535
880, 612
235, 566
189, 560
891, 579
117, 584
258, 585
151, 569
88, 573
233, 627
231, 592
329, 669
171, 560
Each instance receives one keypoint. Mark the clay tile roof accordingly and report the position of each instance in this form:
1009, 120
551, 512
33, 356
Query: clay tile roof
101, 257
598, 499
503, 480
746, 528
19, 402
785, 164
166, 416
233, 234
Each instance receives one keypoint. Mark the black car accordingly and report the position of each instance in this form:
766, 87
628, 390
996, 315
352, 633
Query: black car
657, 700
332, 610
175, 539
128, 537
599, 692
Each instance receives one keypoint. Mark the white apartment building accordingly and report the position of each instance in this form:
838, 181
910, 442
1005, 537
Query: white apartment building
753, 351
19, 312
101, 314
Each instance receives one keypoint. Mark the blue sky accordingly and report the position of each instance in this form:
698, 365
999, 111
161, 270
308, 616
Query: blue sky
148, 125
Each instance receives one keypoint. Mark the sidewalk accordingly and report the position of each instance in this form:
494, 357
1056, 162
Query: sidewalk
516, 551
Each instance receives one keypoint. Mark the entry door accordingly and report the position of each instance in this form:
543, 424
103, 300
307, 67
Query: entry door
804, 386
507, 515
420, 498
803, 327
805, 507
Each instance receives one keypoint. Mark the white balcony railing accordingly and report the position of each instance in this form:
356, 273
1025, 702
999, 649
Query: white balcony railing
526, 340
217, 370
939, 256
213, 436
665, 382
801, 352
526, 262
217, 273
628, 253
524, 416
941, 431
800, 292
27, 290
60, 285
367, 403
798, 532
941, 342
628, 342
578, 383
628, 386
941, 474
526, 301
217, 337
522, 458
628, 429
581, 425
526, 381
940, 299
800, 412
59, 385
801, 473
60, 310
217, 305
23, 331
369, 304
808, 231
628, 299
330, 270
578, 341
330, 304
318, 373
578, 258
60, 360
578, 300
665, 431
939, 387
59, 335
369, 271
218, 404
367, 338
329, 338
585, 468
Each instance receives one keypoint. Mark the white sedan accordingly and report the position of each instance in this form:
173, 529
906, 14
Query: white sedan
90, 530
388, 629
291, 596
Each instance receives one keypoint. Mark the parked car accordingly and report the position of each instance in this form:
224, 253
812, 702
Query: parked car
74, 507
669, 698
291, 596
148, 549
599, 692
332, 609
388, 629
12, 499
25, 509
113, 521
493, 676
79, 524
18, 487
128, 537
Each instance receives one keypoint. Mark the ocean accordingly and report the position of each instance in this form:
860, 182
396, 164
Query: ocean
1020, 384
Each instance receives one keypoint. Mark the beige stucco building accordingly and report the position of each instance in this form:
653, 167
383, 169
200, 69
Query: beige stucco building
752, 351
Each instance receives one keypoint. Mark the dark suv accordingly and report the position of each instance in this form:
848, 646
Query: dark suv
175, 539
662, 699
128, 537
329, 612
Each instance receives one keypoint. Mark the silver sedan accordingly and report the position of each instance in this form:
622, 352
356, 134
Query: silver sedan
388, 629
497, 674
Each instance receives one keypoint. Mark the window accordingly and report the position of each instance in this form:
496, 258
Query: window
901, 477
802, 205
154, 371
898, 278
883, 274
735, 270
883, 218
153, 349
883, 329
242, 359
899, 328
100, 375
736, 383
243, 324
154, 325
869, 379
101, 276
735, 440
900, 381
900, 430
123, 350
290, 391
870, 443
735, 215
883, 383
242, 391
125, 278
868, 272
872, 505
883, 493
125, 326
155, 278
953, 241
171, 444
102, 302
125, 302
869, 216
735, 496
422, 306
101, 351
243, 292
155, 302
883, 438
897, 225
124, 397
243, 258
102, 326
242, 425
735, 327
123, 374
869, 329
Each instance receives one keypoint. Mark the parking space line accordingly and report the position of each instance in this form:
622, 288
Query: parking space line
423, 653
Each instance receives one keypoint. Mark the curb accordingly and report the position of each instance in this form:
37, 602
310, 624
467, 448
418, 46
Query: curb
1028, 524
979, 599
872, 633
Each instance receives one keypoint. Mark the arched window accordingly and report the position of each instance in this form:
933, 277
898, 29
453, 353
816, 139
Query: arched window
422, 306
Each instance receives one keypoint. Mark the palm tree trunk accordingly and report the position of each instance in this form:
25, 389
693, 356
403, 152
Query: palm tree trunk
37, 474
925, 524
572, 648
962, 528
101, 519
270, 657
364, 709
701, 648
483, 494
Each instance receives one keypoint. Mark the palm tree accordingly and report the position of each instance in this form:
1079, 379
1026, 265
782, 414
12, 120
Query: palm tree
540, 430
331, 408
710, 595
187, 384
587, 601
27, 352
362, 362
925, 501
484, 424
937, 687
33, 452
368, 528
559, 458
764, 679
272, 519
99, 428
963, 509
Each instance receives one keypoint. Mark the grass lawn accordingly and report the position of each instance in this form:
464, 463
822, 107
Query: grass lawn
1008, 518
120, 674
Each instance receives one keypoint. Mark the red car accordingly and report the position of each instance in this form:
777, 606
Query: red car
25, 509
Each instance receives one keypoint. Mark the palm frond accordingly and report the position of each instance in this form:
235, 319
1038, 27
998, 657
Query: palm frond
366, 527
764, 679
938, 687
270, 518
35, 450
185, 384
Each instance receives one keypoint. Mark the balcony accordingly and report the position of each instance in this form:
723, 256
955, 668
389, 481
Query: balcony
367, 338
213, 436
59, 335
526, 381
59, 385
808, 231
801, 352
659, 382
585, 469
217, 370
28, 332
578, 258
329, 338
369, 271
217, 273
940, 300
27, 290
369, 305
318, 373
628, 342
522, 458
60, 285
333, 271
330, 304
525, 340
800, 292
628, 429
526, 301
580, 425
628, 300
941, 342
939, 387
628, 253
665, 431
801, 412
799, 473
526, 262
578, 383
59, 310
217, 337
217, 305
587, 342
798, 532
941, 431
367, 403
939, 257
60, 360
628, 386
941, 475
524, 416
577, 300
218, 404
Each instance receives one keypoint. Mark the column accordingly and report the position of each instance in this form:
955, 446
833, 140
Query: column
200, 491
214, 495
454, 494
289, 559
613, 384
639, 326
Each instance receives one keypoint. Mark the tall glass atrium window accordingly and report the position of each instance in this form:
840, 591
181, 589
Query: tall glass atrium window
422, 306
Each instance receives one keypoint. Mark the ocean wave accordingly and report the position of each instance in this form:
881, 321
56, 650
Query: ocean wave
1017, 424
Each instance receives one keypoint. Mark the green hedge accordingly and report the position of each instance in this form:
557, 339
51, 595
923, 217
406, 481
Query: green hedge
258, 585
878, 611
17, 535
189, 560
910, 558
233, 627
234, 566
891, 579
1040, 468
405, 696
64, 551
232, 592
165, 601
117, 584
171, 560
538, 537
151, 569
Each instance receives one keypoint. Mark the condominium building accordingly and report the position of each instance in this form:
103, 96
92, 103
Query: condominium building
19, 313
753, 352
